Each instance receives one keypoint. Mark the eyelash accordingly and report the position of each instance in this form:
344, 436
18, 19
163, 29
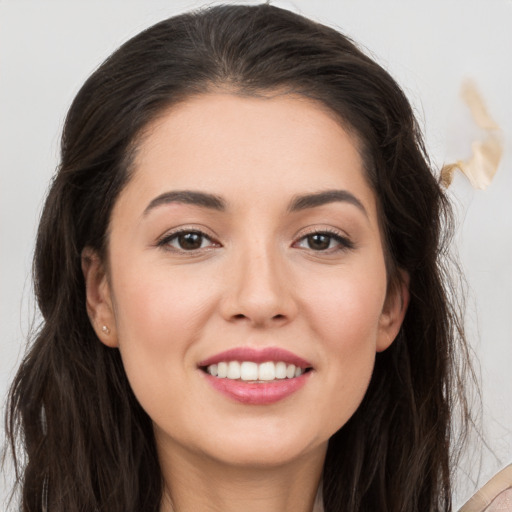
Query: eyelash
165, 242
343, 242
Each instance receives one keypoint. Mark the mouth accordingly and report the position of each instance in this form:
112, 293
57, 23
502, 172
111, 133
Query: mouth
252, 372
256, 376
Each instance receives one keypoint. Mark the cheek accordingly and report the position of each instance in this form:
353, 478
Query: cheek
158, 318
345, 314
160, 308
345, 308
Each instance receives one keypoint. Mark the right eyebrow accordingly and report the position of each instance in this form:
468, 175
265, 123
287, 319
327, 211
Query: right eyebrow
314, 200
187, 197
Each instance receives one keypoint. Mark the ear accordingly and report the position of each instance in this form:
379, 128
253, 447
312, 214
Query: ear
393, 312
98, 298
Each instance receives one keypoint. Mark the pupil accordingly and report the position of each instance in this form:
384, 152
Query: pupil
319, 242
190, 241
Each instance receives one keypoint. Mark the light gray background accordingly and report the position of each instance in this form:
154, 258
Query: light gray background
47, 49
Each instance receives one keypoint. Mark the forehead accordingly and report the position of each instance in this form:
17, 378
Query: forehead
267, 148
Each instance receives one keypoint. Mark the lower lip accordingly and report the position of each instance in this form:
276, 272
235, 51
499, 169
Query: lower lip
264, 393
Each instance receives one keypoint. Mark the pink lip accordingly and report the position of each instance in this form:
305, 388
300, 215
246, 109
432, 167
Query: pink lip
251, 393
257, 356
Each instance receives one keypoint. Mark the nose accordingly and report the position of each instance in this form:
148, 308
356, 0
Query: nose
259, 289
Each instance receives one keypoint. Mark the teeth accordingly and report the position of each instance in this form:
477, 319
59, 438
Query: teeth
267, 371
281, 370
222, 370
233, 370
250, 371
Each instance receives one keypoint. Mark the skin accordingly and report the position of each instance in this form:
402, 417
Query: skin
257, 280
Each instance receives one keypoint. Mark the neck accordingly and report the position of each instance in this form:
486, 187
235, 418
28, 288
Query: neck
196, 483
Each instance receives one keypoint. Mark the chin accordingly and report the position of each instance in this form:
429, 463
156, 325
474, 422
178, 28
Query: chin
265, 456
264, 446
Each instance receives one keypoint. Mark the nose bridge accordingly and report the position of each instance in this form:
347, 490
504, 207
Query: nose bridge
259, 290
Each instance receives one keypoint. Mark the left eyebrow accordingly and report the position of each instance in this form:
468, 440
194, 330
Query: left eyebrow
303, 202
202, 199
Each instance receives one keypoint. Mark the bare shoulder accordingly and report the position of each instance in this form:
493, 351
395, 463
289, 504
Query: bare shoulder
494, 496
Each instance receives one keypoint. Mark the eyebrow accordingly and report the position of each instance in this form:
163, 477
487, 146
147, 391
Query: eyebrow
213, 202
202, 199
306, 201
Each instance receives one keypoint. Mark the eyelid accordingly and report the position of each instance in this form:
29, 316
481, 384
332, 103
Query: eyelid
345, 242
163, 241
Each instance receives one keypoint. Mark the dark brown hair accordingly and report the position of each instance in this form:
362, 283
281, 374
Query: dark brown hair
88, 444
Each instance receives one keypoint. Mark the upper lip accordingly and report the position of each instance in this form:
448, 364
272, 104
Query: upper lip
260, 355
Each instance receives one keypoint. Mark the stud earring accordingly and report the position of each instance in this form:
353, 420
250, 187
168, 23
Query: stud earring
105, 329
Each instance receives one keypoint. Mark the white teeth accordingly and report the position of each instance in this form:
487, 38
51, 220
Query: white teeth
281, 370
290, 371
267, 371
222, 370
233, 370
250, 371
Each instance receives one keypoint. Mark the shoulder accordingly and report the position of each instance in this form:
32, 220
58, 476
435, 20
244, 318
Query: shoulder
494, 496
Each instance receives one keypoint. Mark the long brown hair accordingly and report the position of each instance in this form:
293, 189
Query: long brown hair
88, 444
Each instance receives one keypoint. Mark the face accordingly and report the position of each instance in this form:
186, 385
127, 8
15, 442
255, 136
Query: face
247, 235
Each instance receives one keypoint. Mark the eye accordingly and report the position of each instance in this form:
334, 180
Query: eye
324, 241
188, 240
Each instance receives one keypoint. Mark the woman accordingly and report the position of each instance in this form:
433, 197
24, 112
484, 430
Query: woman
238, 266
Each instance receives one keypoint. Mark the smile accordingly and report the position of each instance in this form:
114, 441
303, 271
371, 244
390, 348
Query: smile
256, 376
254, 372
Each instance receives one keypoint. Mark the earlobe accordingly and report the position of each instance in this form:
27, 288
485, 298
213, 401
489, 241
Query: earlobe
98, 298
394, 311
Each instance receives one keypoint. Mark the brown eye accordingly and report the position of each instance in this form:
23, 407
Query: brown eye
187, 241
319, 241
325, 241
190, 241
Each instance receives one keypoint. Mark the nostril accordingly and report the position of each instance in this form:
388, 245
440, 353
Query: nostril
239, 316
278, 317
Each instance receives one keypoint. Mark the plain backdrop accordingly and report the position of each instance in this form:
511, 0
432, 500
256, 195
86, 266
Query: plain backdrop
47, 50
